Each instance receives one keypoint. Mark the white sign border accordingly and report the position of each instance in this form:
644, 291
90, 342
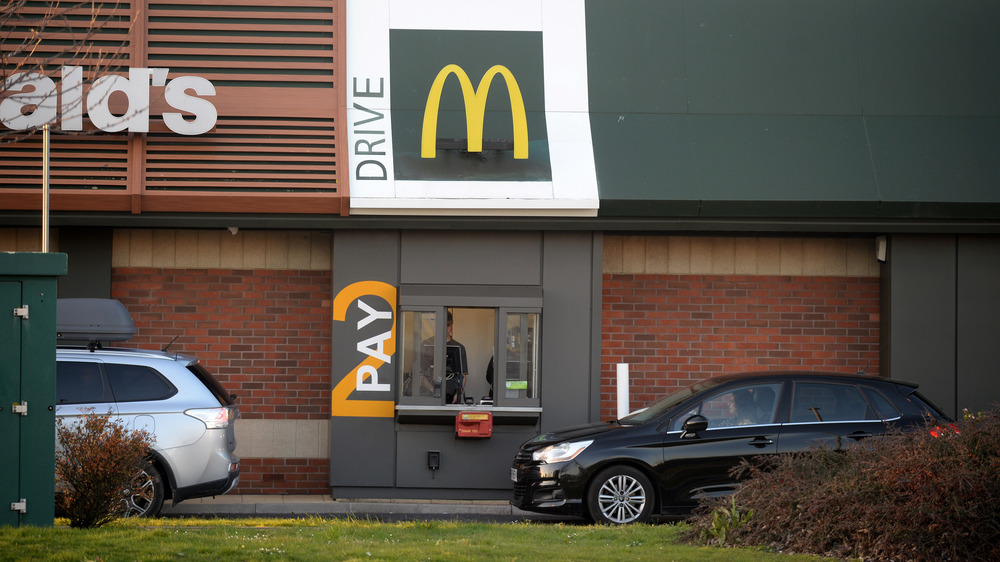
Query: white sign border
573, 190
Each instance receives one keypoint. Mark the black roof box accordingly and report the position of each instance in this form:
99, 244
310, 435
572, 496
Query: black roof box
92, 321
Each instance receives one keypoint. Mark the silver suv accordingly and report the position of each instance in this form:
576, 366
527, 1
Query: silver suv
189, 414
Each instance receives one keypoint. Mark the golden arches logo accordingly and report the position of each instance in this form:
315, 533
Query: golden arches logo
475, 110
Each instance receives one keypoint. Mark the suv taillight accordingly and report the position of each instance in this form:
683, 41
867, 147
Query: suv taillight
213, 418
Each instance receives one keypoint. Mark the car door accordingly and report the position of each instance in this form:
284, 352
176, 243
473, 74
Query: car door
827, 414
741, 425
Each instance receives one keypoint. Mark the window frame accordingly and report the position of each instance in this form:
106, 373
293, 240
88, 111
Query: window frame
438, 300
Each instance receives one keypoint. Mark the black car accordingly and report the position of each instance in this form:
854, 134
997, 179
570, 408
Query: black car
664, 458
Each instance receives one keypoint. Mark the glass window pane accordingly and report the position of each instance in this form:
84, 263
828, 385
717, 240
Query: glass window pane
522, 352
80, 383
746, 405
419, 379
815, 402
884, 409
133, 383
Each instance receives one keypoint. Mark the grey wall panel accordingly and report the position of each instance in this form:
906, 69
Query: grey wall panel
568, 329
465, 463
922, 309
362, 446
89, 254
471, 258
978, 323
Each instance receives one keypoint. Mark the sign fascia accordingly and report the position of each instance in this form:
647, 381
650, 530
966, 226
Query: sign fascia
375, 189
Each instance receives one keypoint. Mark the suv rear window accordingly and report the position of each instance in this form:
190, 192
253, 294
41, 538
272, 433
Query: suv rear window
133, 383
209, 380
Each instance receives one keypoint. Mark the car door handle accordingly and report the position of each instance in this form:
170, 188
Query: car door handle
858, 435
761, 442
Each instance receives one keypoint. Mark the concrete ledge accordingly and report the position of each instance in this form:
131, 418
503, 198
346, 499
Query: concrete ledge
278, 505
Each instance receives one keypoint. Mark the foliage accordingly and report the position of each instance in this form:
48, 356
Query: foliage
932, 494
725, 520
96, 461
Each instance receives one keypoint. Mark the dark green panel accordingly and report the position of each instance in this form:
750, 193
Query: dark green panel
646, 157
635, 56
417, 58
928, 163
10, 392
772, 56
782, 158
930, 57
716, 165
38, 389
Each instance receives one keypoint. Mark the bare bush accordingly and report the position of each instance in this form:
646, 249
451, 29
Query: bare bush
96, 462
932, 494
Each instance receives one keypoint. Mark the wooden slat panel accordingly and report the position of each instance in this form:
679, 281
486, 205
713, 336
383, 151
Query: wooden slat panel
274, 148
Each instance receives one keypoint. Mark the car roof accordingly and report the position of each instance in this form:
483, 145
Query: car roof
784, 375
124, 352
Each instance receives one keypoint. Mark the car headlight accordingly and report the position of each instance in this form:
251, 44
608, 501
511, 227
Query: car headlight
213, 418
560, 452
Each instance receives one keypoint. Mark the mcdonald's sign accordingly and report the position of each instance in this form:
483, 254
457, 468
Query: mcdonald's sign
475, 110
415, 70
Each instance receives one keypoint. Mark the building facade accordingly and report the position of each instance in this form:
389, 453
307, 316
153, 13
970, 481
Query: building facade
330, 188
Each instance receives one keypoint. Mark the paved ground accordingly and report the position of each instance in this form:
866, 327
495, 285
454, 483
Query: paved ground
235, 505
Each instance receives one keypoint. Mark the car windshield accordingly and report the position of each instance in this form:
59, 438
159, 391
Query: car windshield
657, 409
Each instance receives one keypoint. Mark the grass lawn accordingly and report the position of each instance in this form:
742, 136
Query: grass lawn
354, 539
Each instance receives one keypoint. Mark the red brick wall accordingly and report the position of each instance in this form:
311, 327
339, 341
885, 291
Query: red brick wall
676, 329
284, 476
265, 334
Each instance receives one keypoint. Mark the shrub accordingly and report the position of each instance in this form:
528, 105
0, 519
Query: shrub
96, 461
921, 495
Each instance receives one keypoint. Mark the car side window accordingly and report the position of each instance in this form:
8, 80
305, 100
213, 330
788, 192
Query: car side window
824, 402
133, 383
883, 408
80, 383
754, 404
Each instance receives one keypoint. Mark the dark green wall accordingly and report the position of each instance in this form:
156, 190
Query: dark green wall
797, 108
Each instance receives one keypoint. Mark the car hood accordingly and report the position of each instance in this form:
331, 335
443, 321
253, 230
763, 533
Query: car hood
571, 434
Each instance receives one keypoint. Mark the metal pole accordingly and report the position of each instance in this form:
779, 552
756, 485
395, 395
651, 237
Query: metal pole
45, 188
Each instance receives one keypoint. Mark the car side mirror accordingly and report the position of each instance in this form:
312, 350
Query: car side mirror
693, 425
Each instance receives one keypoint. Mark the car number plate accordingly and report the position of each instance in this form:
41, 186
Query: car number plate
513, 474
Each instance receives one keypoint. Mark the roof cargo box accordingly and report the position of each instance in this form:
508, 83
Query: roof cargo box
92, 321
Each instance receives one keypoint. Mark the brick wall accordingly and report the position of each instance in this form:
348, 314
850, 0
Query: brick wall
265, 334
676, 329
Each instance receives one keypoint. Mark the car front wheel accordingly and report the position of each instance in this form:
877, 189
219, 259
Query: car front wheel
619, 495
144, 496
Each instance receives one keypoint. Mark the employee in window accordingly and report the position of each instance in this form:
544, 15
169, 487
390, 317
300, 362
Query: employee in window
457, 366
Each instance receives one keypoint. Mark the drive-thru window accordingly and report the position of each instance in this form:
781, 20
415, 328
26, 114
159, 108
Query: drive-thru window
487, 356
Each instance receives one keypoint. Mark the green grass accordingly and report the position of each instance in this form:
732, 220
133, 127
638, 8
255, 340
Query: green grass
354, 539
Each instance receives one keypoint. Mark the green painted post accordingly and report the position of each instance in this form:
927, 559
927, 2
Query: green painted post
28, 286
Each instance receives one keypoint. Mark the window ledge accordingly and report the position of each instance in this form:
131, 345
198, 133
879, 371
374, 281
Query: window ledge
445, 415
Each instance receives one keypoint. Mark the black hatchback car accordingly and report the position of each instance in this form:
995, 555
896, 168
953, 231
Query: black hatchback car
664, 458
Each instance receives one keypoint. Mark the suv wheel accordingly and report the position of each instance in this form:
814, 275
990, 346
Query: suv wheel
144, 497
620, 494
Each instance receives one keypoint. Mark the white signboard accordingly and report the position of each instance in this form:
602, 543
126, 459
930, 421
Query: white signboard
560, 180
